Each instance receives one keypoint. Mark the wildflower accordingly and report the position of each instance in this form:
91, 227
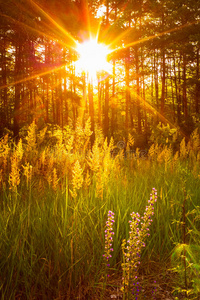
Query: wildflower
131, 258
108, 237
154, 290
147, 217
137, 235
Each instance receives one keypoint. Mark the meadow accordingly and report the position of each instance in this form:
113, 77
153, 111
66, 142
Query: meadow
61, 201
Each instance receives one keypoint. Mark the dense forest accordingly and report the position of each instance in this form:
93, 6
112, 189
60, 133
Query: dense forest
81, 151
155, 62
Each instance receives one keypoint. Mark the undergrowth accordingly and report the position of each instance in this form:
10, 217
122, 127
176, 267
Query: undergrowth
56, 192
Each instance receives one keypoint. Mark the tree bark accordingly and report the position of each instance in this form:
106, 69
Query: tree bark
91, 110
163, 84
197, 85
138, 90
127, 81
106, 109
185, 108
18, 62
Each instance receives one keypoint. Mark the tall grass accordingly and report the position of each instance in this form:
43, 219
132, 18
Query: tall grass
55, 196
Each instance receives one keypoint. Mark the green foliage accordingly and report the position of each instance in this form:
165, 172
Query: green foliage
186, 254
191, 255
164, 135
55, 194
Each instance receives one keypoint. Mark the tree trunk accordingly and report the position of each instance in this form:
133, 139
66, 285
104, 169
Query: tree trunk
176, 89
197, 85
91, 110
179, 91
127, 80
185, 108
138, 89
106, 109
113, 102
156, 84
163, 84
99, 102
18, 62
4, 79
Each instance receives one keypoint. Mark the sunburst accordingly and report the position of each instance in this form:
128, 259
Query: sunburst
93, 58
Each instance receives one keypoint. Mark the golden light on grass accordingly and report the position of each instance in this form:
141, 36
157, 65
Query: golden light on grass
92, 58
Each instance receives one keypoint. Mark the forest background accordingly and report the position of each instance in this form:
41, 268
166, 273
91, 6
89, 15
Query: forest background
79, 158
155, 65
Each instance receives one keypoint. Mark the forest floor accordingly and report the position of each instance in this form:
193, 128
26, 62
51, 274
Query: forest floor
159, 283
159, 287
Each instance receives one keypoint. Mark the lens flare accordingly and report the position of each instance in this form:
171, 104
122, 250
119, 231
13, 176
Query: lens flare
92, 58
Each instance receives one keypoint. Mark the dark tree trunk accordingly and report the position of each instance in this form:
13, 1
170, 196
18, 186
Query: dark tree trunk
197, 85
156, 84
179, 92
138, 89
106, 109
4, 81
127, 80
18, 87
113, 102
99, 102
91, 110
185, 107
163, 85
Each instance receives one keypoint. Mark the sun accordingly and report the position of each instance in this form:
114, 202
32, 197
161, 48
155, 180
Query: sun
92, 58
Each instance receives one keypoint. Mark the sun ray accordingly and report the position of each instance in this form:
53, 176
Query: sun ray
34, 76
108, 27
100, 21
151, 108
82, 48
146, 38
54, 22
53, 38
87, 17
119, 38
99, 27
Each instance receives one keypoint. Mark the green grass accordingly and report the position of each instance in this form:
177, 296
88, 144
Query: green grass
51, 244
